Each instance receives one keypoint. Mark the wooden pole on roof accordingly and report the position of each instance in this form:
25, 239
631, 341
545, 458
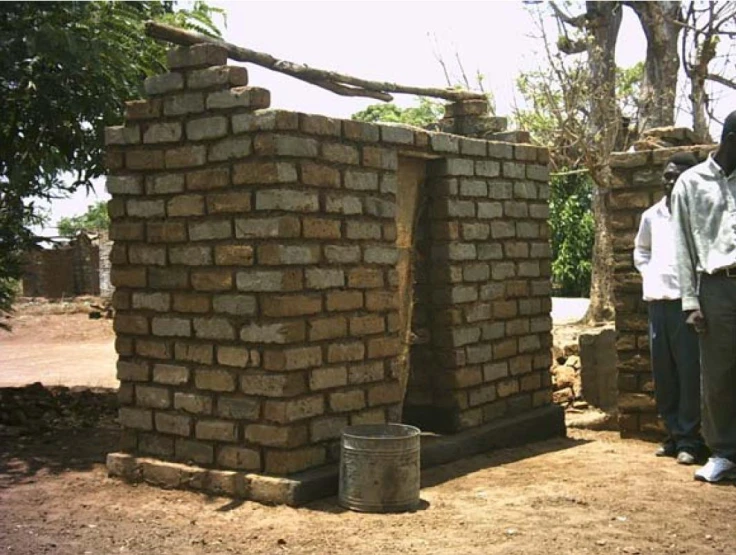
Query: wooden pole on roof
339, 83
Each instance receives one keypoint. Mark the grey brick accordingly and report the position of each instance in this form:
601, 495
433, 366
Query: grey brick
323, 278
401, 135
163, 133
194, 255
292, 201
473, 188
159, 302
490, 251
361, 180
124, 185
342, 254
206, 128
381, 255
208, 230
515, 209
230, 148
181, 104
176, 424
442, 142
379, 208
170, 326
162, 84
213, 328
500, 190
239, 305
490, 210
487, 168
170, 374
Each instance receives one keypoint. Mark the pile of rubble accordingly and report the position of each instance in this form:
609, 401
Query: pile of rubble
566, 378
36, 409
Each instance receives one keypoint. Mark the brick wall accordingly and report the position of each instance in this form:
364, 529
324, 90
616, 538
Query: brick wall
257, 274
636, 187
482, 297
66, 271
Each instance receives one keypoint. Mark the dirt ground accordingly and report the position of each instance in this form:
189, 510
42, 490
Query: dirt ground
590, 493
57, 343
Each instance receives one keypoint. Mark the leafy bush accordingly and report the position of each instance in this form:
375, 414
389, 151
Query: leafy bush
572, 228
428, 111
94, 219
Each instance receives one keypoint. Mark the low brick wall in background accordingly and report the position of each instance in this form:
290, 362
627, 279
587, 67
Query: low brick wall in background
637, 185
256, 265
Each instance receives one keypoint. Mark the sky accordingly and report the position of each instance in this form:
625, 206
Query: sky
388, 41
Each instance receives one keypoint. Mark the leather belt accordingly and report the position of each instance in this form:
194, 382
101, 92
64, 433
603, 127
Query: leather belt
729, 272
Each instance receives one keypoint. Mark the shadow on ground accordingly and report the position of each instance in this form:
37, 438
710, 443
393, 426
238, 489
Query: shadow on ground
444, 473
54, 430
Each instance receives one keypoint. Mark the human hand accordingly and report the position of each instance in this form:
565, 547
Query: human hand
697, 320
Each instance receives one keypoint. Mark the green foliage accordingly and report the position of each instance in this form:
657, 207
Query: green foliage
428, 111
572, 228
95, 218
65, 70
628, 88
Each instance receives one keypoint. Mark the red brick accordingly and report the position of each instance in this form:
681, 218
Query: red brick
365, 278
229, 202
296, 358
212, 280
166, 232
233, 255
128, 277
344, 300
318, 175
327, 328
342, 352
366, 325
191, 302
382, 347
291, 305
320, 228
153, 348
376, 301
130, 323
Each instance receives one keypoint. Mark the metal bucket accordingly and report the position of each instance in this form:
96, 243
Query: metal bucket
379, 468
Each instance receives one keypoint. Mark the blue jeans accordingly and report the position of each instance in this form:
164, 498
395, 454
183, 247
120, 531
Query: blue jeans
676, 369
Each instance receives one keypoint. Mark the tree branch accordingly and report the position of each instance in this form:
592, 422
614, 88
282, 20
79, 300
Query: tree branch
577, 21
338, 83
721, 80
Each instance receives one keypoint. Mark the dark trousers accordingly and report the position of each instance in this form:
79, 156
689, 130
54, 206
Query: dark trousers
676, 369
718, 362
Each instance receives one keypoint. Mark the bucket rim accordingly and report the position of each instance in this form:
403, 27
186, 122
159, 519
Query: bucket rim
355, 431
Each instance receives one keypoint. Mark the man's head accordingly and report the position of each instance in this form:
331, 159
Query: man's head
676, 164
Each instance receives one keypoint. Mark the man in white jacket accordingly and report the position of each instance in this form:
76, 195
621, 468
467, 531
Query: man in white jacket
673, 343
704, 213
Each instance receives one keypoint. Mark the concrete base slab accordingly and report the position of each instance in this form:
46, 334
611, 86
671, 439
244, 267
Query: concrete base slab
301, 488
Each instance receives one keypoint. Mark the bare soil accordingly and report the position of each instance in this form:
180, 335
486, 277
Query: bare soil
590, 493
57, 344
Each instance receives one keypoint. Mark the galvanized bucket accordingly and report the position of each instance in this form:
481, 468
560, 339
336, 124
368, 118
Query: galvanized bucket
379, 468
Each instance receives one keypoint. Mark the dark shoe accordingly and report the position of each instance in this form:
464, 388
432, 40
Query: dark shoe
683, 457
666, 450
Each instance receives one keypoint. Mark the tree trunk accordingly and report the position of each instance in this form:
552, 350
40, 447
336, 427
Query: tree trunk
603, 23
660, 22
698, 97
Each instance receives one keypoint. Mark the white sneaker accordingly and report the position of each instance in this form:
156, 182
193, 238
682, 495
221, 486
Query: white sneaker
716, 469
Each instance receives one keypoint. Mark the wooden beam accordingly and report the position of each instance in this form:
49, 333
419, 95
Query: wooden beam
339, 83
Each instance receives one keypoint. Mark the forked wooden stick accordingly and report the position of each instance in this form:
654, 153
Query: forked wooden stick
339, 83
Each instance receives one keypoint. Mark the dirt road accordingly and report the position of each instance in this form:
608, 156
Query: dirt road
58, 349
